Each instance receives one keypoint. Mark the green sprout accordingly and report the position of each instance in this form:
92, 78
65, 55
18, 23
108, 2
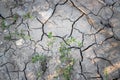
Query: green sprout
3, 25
51, 40
8, 37
64, 51
79, 44
71, 40
15, 17
42, 59
27, 16
50, 35
17, 35
67, 72
39, 74
38, 58
106, 74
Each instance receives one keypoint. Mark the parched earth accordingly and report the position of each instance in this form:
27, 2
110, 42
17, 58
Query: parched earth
59, 39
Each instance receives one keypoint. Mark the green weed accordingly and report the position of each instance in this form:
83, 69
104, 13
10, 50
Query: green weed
39, 74
51, 40
79, 44
22, 35
50, 35
72, 40
16, 35
67, 72
8, 37
106, 74
3, 25
42, 59
66, 59
67, 69
64, 51
28, 16
38, 58
15, 17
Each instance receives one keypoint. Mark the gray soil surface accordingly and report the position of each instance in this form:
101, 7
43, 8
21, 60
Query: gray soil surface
59, 39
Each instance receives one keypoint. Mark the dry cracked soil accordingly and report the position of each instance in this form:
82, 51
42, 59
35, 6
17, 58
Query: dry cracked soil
59, 39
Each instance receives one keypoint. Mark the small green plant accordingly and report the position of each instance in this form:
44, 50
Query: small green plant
64, 51
66, 60
106, 74
51, 40
16, 35
8, 37
38, 58
15, 17
3, 25
67, 72
43, 60
72, 40
28, 16
79, 44
22, 35
39, 74
50, 35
